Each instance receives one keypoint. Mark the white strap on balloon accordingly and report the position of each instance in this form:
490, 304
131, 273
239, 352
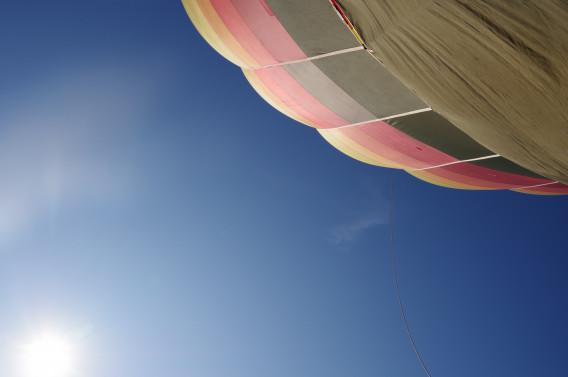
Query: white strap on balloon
543, 184
338, 52
458, 162
386, 118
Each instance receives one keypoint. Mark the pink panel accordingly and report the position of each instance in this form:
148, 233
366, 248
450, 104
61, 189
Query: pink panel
270, 32
240, 30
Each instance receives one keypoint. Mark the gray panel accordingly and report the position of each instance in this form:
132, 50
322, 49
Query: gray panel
328, 93
502, 164
432, 129
497, 69
314, 25
370, 84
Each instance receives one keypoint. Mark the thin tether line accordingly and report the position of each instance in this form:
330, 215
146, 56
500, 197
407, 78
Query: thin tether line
396, 280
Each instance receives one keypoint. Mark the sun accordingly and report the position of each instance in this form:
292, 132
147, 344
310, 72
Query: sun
49, 355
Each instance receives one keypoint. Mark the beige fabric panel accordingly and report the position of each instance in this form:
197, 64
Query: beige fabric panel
497, 69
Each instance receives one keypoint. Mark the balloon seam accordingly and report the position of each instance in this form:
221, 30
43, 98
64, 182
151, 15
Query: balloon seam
458, 162
386, 118
333, 53
542, 184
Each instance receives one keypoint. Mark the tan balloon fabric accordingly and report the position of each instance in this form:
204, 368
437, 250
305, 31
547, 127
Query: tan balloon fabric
497, 69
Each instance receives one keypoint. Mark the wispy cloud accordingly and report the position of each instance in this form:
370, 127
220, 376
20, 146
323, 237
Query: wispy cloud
58, 141
365, 212
351, 231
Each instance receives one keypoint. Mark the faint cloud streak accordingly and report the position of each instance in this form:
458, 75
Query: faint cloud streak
367, 210
351, 231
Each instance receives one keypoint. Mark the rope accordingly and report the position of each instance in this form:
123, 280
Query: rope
343, 16
396, 280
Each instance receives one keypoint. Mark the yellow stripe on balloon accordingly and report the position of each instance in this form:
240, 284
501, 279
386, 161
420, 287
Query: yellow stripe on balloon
213, 30
534, 192
355, 150
444, 182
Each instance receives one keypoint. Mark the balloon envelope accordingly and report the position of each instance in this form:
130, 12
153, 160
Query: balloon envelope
423, 95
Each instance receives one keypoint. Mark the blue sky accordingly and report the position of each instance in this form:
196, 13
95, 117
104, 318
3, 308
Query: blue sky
171, 223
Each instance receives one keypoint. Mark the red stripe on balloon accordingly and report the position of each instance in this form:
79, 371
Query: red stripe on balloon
261, 34
403, 149
267, 7
484, 177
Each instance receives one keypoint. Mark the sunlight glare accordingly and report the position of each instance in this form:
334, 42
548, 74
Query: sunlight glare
48, 356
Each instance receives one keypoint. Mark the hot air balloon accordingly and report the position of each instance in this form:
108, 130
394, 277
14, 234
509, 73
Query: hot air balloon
462, 94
